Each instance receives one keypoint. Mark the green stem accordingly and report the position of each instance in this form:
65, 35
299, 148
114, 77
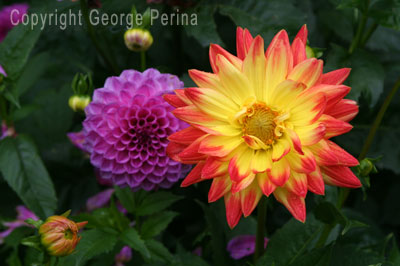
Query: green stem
143, 60
262, 214
378, 120
369, 33
324, 235
107, 59
360, 29
3, 110
344, 192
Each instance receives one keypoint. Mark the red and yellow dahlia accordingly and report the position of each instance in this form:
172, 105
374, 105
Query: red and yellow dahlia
262, 123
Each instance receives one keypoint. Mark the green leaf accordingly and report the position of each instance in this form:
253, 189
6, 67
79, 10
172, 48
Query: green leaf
94, 242
156, 202
125, 196
205, 31
327, 213
13, 259
33, 70
156, 223
24, 171
316, 257
32, 241
16, 47
133, 239
158, 251
291, 241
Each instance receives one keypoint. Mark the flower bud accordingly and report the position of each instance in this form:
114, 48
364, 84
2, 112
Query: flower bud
59, 235
367, 167
79, 102
138, 40
309, 52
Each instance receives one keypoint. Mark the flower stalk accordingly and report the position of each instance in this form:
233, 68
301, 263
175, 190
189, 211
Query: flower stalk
262, 214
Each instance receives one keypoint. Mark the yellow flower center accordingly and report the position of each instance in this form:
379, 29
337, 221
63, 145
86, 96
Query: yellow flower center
259, 122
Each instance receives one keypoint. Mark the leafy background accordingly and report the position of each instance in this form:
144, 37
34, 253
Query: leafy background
51, 176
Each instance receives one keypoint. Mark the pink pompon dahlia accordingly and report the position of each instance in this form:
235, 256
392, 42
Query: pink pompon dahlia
262, 123
126, 130
11, 16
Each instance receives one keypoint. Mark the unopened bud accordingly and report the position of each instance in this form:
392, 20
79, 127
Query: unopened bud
59, 235
138, 40
366, 167
79, 102
309, 52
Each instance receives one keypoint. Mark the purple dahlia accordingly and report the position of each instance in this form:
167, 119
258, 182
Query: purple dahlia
126, 130
6, 14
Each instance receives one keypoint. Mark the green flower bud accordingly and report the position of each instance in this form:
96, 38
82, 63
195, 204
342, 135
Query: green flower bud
79, 102
138, 40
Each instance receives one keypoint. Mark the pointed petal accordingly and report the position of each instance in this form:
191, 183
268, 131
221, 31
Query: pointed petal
297, 184
299, 51
302, 34
302, 163
296, 142
334, 127
205, 79
174, 100
311, 134
173, 149
219, 187
216, 50
233, 208
190, 154
328, 153
194, 176
219, 146
280, 148
242, 184
333, 93
243, 42
286, 92
254, 68
279, 60
234, 81
261, 161
344, 110
249, 198
340, 176
212, 103
186, 136
308, 72
280, 172
335, 77
265, 183
307, 108
214, 168
315, 182
191, 114
295, 204
240, 164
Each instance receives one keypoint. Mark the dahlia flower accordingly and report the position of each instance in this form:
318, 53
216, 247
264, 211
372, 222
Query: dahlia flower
125, 255
59, 235
23, 214
243, 246
126, 130
5, 17
261, 123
